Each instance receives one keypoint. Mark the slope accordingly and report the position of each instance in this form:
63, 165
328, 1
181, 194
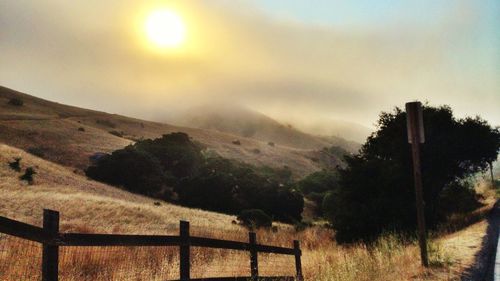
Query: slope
69, 135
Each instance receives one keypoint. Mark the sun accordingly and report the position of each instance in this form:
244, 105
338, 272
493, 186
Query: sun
165, 29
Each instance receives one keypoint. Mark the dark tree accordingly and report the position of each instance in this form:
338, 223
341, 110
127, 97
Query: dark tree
176, 153
136, 171
376, 190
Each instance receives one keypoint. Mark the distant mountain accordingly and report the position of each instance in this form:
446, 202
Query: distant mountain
244, 122
68, 135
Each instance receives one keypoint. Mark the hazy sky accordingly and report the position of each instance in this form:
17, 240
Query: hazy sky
300, 61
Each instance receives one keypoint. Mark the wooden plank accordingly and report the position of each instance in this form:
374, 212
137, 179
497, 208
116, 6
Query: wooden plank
185, 253
50, 254
274, 250
298, 261
254, 260
23, 230
236, 245
77, 239
415, 134
269, 278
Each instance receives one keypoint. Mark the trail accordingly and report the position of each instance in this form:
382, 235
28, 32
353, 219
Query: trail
484, 266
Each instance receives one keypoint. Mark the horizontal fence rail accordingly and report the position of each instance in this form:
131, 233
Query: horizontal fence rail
51, 239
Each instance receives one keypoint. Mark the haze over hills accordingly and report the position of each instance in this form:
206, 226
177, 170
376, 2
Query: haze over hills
68, 135
245, 122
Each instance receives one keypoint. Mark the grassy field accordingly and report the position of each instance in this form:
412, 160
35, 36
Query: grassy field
88, 206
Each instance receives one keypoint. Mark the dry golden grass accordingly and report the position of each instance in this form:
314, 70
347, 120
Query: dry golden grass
88, 206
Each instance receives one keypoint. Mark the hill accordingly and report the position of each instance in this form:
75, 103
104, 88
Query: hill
244, 122
68, 135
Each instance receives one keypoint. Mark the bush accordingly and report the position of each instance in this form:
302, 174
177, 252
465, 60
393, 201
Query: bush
15, 165
81, 129
236, 142
229, 186
254, 219
116, 133
134, 170
106, 122
16, 101
37, 151
176, 153
28, 175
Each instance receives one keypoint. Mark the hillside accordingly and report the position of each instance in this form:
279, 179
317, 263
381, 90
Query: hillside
244, 122
69, 135
88, 206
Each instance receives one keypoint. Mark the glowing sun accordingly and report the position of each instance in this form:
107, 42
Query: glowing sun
165, 28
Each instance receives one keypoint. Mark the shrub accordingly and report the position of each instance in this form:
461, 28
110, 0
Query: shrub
134, 170
15, 165
81, 129
16, 101
236, 142
176, 153
37, 151
256, 150
270, 143
229, 186
116, 133
106, 122
254, 219
28, 175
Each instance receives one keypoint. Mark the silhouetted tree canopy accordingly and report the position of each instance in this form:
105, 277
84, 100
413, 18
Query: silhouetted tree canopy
174, 163
376, 191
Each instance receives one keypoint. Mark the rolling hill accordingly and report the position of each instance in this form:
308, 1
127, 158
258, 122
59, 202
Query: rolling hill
244, 122
68, 135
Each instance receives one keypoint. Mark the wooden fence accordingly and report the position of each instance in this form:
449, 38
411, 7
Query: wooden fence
51, 239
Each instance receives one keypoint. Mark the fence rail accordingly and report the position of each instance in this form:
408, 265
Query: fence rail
51, 239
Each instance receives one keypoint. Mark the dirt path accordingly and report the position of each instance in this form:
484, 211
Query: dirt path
484, 265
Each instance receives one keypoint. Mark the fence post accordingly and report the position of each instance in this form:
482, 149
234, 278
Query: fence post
184, 251
298, 262
50, 253
254, 263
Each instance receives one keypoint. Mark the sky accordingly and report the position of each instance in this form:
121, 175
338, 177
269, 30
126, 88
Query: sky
302, 62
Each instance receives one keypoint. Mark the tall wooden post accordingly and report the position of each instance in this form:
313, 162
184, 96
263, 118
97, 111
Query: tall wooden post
50, 253
184, 251
298, 262
415, 128
254, 261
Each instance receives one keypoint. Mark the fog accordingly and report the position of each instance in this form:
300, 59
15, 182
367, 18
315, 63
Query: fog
92, 54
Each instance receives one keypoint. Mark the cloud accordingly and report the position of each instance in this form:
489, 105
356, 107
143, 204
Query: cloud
91, 54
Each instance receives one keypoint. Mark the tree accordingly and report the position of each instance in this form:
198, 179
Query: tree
376, 190
176, 153
135, 170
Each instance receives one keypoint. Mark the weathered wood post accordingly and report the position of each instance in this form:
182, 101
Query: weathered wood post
415, 127
50, 253
254, 261
184, 251
298, 261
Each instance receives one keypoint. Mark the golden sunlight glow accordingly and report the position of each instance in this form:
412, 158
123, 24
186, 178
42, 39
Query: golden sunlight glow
165, 29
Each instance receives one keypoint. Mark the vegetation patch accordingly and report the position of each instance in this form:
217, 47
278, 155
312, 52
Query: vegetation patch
16, 101
16, 164
175, 168
28, 175
254, 219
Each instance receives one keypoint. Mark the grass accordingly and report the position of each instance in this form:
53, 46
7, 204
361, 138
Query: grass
88, 206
